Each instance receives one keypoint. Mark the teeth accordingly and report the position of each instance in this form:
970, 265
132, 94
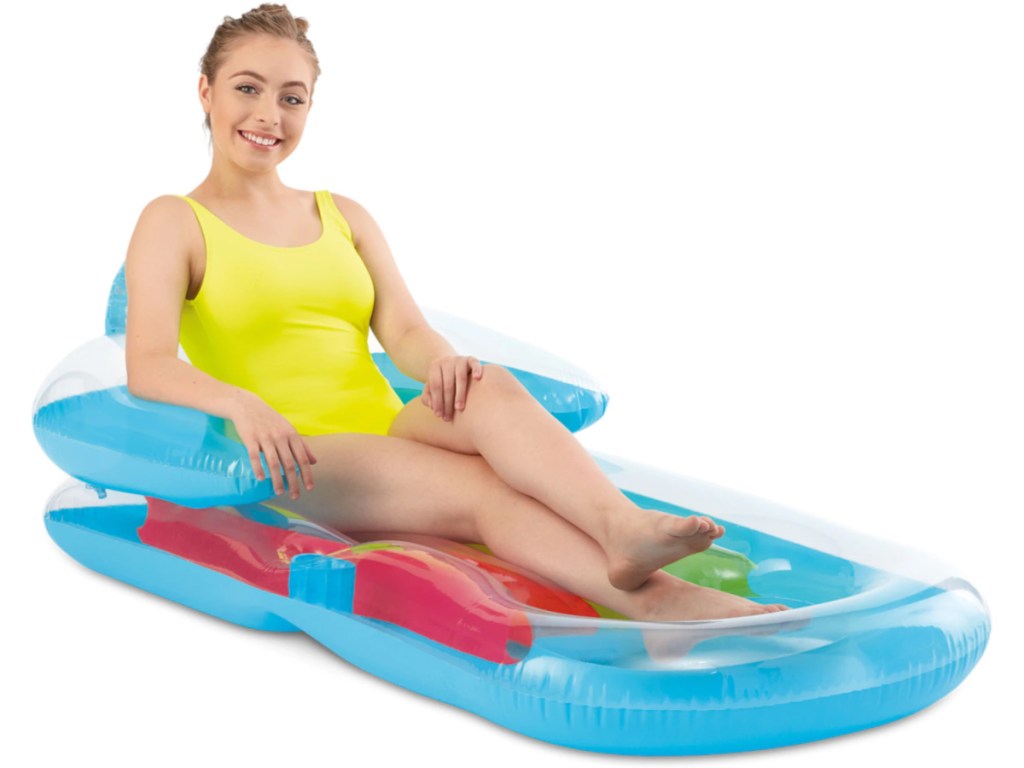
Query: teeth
259, 140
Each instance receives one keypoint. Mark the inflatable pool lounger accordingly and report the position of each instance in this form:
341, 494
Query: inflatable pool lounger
165, 499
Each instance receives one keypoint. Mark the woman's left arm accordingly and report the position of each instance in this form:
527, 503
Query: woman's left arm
416, 349
448, 375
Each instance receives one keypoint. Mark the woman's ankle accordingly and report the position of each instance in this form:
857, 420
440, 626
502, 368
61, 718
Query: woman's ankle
649, 601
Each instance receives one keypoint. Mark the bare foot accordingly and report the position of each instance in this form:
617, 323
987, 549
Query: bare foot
683, 601
679, 600
642, 540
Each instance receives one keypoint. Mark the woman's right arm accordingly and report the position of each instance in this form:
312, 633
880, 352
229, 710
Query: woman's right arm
157, 275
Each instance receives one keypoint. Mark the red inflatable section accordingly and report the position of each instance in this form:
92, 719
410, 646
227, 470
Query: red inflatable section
519, 583
403, 585
259, 555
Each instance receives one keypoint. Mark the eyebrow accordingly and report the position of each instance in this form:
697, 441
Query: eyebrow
262, 79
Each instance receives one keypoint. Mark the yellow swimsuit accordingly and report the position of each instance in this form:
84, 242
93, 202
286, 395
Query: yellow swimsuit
291, 324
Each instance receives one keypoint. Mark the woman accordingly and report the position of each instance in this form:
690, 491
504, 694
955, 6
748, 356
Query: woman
271, 292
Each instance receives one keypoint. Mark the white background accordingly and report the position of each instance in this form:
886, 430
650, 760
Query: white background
784, 236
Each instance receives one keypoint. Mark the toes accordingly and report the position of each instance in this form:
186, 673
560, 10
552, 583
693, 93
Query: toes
684, 526
770, 607
712, 528
700, 524
696, 525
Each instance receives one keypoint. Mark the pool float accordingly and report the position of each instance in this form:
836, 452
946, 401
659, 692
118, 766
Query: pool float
164, 498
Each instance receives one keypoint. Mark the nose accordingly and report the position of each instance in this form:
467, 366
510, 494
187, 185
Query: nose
267, 112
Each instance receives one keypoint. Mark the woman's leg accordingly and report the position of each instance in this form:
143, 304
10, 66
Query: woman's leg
370, 483
521, 530
532, 452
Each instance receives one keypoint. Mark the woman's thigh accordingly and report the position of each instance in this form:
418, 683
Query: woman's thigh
364, 482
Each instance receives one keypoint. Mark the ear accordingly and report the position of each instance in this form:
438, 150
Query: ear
204, 93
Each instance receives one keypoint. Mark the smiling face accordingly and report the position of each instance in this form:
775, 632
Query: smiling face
261, 89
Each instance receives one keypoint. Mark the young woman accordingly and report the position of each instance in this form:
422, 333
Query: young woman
271, 292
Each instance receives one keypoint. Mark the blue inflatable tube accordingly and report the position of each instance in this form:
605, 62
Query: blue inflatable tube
164, 501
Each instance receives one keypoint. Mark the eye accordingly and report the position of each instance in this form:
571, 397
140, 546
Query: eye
239, 88
296, 102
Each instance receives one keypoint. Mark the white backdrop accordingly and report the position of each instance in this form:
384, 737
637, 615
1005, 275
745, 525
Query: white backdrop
785, 237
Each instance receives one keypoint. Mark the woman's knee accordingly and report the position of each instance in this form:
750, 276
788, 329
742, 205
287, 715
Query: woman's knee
497, 381
499, 374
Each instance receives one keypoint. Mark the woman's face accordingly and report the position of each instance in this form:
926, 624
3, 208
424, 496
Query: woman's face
262, 87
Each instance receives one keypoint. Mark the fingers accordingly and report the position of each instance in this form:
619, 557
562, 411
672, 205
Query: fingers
284, 448
435, 384
442, 382
462, 384
274, 465
450, 385
300, 450
292, 449
447, 385
254, 457
446, 397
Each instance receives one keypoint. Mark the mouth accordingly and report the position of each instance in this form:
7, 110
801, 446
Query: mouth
258, 141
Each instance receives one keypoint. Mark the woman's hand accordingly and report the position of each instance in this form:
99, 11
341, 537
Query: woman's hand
447, 383
261, 428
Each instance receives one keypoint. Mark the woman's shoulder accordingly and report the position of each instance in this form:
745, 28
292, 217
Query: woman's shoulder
346, 205
168, 211
358, 218
169, 219
351, 212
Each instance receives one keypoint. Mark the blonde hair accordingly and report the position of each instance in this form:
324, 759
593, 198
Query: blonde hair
267, 19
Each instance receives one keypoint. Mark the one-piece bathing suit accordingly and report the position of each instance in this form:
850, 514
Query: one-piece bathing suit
291, 325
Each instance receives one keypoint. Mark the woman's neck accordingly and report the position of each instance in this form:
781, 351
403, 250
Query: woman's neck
236, 184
